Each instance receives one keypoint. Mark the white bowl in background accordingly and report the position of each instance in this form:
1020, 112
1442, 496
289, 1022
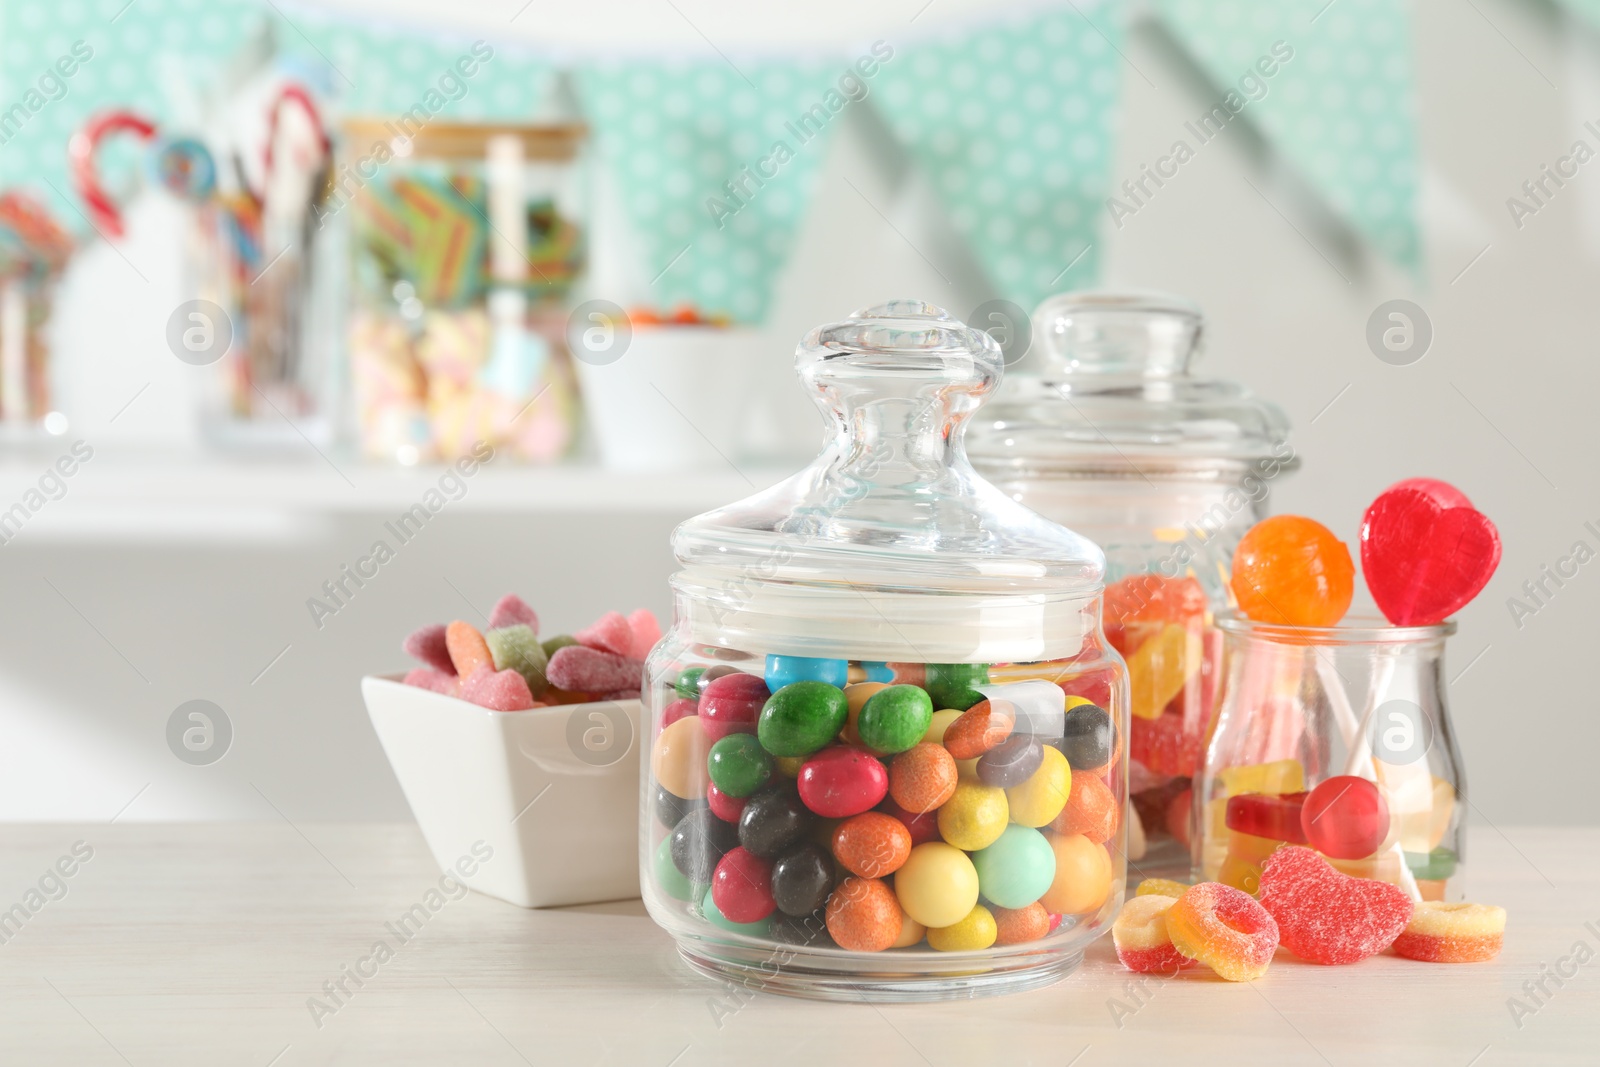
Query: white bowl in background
553, 792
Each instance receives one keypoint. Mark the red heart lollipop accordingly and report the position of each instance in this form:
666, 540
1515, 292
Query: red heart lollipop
1426, 551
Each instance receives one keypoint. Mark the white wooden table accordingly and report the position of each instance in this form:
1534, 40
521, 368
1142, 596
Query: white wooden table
202, 944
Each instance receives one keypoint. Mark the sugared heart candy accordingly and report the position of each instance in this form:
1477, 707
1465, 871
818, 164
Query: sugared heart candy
1426, 551
1328, 917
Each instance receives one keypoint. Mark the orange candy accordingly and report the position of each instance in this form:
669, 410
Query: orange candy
1016, 925
1091, 810
1292, 571
864, 916
1083, 875
979, 729
1441, 932
872, 844
1224, 928
468, 650
1154, 597
922, 777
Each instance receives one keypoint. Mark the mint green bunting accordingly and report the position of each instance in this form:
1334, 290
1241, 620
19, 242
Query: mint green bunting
715, 165
1342, 109
1013, 123
1589, 9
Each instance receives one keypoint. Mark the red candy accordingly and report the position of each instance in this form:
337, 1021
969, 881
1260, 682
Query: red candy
724, 807
579, 669
1269, 815
1141, 938
646, 632
510, 610
1425, 551
1163, 744
924, 827
497, 690
1345, 817
428, 678
609, 633
731, 704
841, 781
428, 645
741, 886
678, 709
1328, 917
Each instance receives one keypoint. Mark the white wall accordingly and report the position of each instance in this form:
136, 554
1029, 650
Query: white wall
1501, 405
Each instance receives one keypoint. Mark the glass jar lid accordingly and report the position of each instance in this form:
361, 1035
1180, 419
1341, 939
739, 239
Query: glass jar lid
1114, 396
889, 546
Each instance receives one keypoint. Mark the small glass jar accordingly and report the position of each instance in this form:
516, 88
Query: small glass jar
1363, 704
1114, 436
818, 818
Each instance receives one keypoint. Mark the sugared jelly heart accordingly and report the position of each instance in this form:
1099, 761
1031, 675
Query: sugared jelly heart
1328, 917
1424, 557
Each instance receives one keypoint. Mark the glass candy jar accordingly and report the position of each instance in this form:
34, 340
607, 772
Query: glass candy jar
1114, 436
866, 779
1338, 738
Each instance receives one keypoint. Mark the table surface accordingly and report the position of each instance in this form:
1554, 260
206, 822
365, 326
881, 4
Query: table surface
204, 944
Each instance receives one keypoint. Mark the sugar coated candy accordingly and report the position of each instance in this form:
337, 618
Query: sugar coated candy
439, 681
937, 885
923, 826
1037, 801
856, 696
1088, 739
742, 886
467, 649
581, 669
1083, 875
952, 685
1016, 869
980, 728
714, 916
1458, 932
1161, 887
497, 690
786, 670
1292, 571
911, 932
731, 703
516, 647
678, 759
774, 820
646, 632
1012, 761
1224, 928
801, 717
1141, 938
1016, 926
841, 781
1091, 810
864, 915
1425, 551
872, 844
894, 718
922, 778
699, 842
974, 930
975, 815
1344, 817
609, 633
512, 610
802, 878
724, 807
428, 645
738, 766
1328, 917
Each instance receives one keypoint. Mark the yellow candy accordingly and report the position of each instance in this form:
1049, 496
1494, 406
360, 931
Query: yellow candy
855, 699
976, 930
974, 817
1158, 670
1240, 873
941, 722
938, 885
1040, 799
1251, 848
789, 766
911, 932
1278, 777
1160, 887
679, 758
1083, 875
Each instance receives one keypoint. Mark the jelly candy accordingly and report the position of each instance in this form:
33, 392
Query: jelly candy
863, 915
428, 645
732, 703
554, 644
609, 633
742, 886
449, 684
646, 632
669, 878
1279, 776
802, 878
714, 916
911, 931
1292, 571
975, 930
774, 820
952, 685
497, 690
1011, 762
699, 842
856, 696
841, 781
937, 885
1150, 597
974, 817
1180, 814
786, 670
517, 648
1426, 552
580, 669
801, 717
724, 807
1091, 810
1141, 938
922, 778
738, 766
923, 826
1328, 917
1224, 928
1165, 745
1015, 926
1016, 869
872, 844
1083, 875
1268, 815
678, 759
1088, 738
512, 610
894, 719
670, 808
1161, 887
1158, 670
977, 730
1452, 933
1345, 817
1040, 799
467, 649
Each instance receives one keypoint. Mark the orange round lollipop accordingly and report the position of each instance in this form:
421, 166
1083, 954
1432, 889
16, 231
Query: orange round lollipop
1291, 570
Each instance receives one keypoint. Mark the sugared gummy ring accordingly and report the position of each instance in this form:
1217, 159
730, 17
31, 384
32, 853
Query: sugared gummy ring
1456, 932
1225, 929
1140, 934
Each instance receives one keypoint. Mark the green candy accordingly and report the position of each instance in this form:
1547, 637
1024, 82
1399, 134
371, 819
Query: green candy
669, 878
951, 684
801, 718
517, 648
1435, 866
1017, 869
559, 641
738, 766
708, 908
894, 719
688, 683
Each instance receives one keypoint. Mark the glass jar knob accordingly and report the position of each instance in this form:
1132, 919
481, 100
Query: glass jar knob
1154, 335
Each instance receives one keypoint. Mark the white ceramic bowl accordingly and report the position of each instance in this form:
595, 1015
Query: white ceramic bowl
553, 792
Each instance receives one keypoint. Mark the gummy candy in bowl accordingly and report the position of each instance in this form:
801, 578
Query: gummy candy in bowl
869, 718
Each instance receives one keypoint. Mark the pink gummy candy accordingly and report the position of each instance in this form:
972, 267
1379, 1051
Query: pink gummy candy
621, 694
1326, 916
427, 644
588, 670
510, 610
609, 633
646, 632
428, 678
497, 690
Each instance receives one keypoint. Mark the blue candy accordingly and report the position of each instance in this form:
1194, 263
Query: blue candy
877, 671
785, 670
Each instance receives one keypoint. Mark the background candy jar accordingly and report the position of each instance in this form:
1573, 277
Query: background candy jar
1110, 433
865, 776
